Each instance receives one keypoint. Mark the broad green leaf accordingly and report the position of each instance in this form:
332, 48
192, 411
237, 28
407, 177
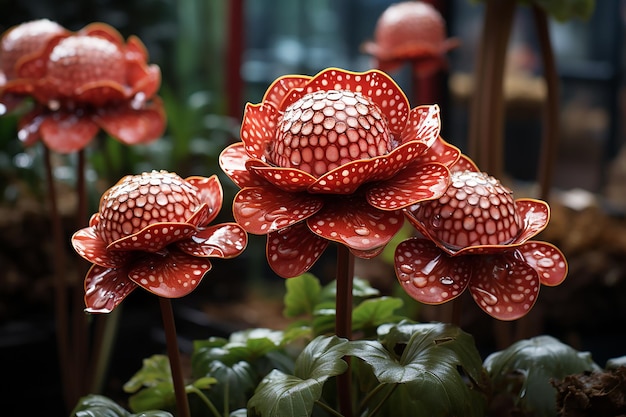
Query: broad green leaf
100, 406
280, 394
157, 396
204, 383
360, 289
321, 358
302, 295
373, 312
525, 368
242, 412
237, 381
209, 343
155, 370
324, 318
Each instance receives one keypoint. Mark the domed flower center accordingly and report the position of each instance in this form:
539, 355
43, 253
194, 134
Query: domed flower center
326, 129
475, 210
79, 60
141, 200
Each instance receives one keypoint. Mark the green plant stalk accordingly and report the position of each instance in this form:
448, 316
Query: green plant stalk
60, 299
205, 400
173, 353
377, 409
328, 409
343, 322
550, 137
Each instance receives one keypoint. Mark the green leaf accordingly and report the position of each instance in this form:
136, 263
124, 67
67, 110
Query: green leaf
324, 318
321, 358
361, 289
236, 382
425, 359
302, 295
374, 312
158, 396
155, 370
204, 383
524, 369
100, 406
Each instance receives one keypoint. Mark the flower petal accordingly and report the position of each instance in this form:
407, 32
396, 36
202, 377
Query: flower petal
351, 221
283, 85
89, 245
105, 288
424, 124
429, 275
374, 84
504, 285
262, 210
535, 215
258, 128
367, 254
287, 179
220, 241
210, 193
233, 160
29, 125
66, 133
154, 238
412, 185
547, 260
172, 275
133, 126
294, 250
464, 163
442, 152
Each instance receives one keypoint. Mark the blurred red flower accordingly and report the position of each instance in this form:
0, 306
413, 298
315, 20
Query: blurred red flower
81, 82
477, 236
152, 231
333, 157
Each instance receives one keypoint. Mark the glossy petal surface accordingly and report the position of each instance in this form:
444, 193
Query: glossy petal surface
280, 88
106, 288
258, 128
535, 215
210, 193
547, 260
88, 244
442, 152
287, 179
220, 241
429, 275
66, 133
153, 238
413, 184
424, 124
355, 223
232, 161
262, 210
292, 251
134, 126
170, 275
504, 285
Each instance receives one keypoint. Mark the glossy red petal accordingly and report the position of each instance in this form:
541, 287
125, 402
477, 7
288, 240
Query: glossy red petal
547, 260
397, 159
88, 245
134, 126
103, 30
170, 275
367, 254
424, 124
100, 92
282, 86
287, 179
294, 250
347, 178
105, 288
232, 161
410, 186
535, 215
220, 241
144, 80
353, 222
154, 238
29, 125
464, 163
210, 193
135, 49
442, 152
375, 85
66, 133
262, 210
504, 286
258, 128
429, 275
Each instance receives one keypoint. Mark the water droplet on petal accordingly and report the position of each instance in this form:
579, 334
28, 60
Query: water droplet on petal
436, 221
247, 211
286, 252
545, 263
362, 231
54, 105
406, 268
517, 297
420, 282
487, 297
446, 280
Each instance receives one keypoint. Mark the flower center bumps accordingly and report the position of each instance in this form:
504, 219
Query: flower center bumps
326, 129
475, 210
142, 200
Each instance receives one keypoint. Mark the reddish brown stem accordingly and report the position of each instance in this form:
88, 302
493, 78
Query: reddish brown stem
551, 112
173, 353
60, 288
343, 322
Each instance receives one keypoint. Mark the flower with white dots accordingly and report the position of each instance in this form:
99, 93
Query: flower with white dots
477, 237
152, 231
333, 157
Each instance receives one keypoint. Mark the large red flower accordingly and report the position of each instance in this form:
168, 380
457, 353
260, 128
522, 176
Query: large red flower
152, 231
410, 31
82, 82
478, 237
333, 157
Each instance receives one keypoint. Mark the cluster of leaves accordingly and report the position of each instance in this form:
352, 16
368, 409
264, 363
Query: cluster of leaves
398, 367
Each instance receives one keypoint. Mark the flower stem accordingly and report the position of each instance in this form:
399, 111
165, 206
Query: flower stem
343, 322
205, 400
61, 313
173, 353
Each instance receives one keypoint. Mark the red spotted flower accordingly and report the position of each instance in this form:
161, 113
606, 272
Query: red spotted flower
152, 231
333, 157
477, 236
82, 82
410, 31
